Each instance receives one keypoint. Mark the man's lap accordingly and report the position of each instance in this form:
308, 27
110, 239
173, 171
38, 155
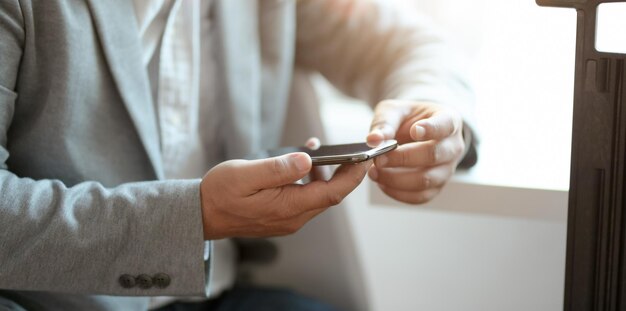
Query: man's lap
237, 299
253, 298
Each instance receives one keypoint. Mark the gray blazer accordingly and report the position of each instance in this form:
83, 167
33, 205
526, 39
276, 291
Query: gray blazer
83, 203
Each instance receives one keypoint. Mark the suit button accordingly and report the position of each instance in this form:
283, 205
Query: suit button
161, 280
127, 281
144, 281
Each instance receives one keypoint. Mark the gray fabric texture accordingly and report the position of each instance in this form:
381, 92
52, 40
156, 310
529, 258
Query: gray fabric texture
81, 203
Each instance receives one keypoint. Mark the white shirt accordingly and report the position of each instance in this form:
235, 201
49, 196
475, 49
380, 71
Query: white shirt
176, 38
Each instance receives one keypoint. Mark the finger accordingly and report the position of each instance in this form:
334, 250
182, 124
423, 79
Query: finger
321, 194
429, 153
388, 115
411, 197
415, 180
313, 143
440, 125
322, 172
276, 171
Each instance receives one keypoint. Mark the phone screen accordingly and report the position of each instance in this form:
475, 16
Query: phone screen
333, 150
337, 154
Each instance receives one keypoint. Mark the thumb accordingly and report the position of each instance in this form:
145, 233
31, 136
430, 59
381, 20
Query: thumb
278, 171
388, 115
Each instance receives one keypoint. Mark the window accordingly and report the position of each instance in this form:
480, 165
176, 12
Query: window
610, 25
522, 64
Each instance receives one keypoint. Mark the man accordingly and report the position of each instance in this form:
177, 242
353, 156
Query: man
111, 111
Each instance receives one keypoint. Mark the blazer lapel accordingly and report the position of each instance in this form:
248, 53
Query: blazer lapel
119, 36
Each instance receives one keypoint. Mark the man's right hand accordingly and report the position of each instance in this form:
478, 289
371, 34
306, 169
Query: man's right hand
259, 198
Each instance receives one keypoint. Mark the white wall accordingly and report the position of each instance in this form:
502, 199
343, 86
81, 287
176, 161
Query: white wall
521, 57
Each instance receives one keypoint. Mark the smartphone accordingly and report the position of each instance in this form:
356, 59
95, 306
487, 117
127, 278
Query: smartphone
340, 154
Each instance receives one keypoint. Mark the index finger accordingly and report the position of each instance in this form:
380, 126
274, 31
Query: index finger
437, 127
388, 115
322, 194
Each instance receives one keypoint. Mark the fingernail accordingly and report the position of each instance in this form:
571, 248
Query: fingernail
377, 131
373, 174
419, 132
301, 161
313, 143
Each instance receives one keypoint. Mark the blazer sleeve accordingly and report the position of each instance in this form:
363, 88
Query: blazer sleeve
373, 52
141, 238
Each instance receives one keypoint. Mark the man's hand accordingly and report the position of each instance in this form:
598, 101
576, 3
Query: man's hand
431, 145
260, 198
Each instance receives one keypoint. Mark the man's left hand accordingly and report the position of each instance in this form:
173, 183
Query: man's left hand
430, 142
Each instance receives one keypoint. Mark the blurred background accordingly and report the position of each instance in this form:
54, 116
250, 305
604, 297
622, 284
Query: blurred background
495, 238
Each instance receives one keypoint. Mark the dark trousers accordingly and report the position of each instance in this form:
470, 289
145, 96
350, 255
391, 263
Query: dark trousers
253, 299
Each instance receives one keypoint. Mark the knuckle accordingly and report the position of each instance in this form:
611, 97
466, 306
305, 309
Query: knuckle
333, 199
426, 181
356, 180
229, 172
224, 167
357, 177
434, 153
449, 128
457, 119
434, 127
279, 166
382, 176
447, 122
446, 153
459, 148
405, 159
